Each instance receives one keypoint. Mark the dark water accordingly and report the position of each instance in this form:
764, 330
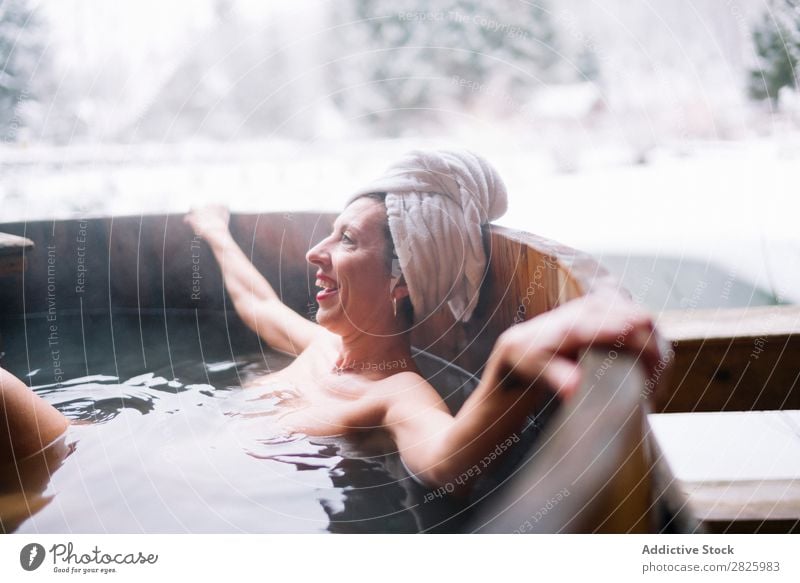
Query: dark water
166, 440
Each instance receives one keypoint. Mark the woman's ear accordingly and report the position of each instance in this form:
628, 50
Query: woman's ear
397, 279
400, 290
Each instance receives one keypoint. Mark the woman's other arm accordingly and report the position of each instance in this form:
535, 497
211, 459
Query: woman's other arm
251, 294
528, 360
27, 422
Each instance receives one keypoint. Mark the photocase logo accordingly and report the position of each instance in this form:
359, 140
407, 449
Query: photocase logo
31, 556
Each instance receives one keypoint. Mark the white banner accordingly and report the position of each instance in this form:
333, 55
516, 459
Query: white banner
389, 558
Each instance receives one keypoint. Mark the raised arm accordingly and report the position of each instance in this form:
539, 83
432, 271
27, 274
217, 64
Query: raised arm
528, 360
251, 294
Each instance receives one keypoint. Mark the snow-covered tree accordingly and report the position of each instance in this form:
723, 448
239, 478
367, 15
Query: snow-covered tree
777, 45
402, 60
242, 81
587, 64
21, 61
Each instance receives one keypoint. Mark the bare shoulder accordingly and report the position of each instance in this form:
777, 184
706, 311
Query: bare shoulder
406, 378
410, 387
322, 343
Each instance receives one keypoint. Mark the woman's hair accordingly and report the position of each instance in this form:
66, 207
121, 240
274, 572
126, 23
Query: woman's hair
404, 305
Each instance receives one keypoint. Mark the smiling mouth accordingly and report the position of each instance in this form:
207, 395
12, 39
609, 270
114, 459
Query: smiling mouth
328, 289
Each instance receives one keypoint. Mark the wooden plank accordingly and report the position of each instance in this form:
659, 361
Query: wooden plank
721, 324
731, 467
731, 360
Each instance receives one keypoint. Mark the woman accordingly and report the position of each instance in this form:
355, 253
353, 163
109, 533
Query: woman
354, 370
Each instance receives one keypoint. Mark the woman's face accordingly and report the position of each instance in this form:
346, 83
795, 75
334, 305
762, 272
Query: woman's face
352, 271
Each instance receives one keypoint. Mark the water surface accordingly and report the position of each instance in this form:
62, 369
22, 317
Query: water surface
165, 439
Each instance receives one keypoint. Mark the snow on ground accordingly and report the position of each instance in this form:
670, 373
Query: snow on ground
737, 206
735, 203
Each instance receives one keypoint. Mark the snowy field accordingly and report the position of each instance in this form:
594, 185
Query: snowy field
733, 204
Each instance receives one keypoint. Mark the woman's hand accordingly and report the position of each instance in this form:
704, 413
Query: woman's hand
547, 347
209, 222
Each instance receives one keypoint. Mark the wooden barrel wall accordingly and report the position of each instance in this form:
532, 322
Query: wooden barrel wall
156, 262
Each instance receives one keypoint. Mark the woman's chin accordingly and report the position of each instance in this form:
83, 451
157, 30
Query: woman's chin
326, 317
336, 320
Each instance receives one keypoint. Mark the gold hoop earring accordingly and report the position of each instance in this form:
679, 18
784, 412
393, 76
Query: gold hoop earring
394, 306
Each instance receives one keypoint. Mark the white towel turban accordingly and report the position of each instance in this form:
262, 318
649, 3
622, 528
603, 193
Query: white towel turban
437, 201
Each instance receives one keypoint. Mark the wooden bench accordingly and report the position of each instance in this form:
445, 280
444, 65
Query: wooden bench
727, 413
729, 471
732, 360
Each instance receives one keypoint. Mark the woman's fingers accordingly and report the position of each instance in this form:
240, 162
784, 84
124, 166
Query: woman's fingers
563, 375
526, 362
209, 220
548, 346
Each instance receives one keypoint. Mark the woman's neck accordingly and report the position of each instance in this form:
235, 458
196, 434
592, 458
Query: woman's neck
365, 352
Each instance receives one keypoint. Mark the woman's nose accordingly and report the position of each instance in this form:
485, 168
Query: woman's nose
317, 254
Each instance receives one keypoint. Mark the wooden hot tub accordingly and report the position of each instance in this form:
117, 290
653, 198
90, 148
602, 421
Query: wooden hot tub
587, 473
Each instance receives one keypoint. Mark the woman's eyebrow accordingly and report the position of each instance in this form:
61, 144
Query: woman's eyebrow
351, 226
345, 226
